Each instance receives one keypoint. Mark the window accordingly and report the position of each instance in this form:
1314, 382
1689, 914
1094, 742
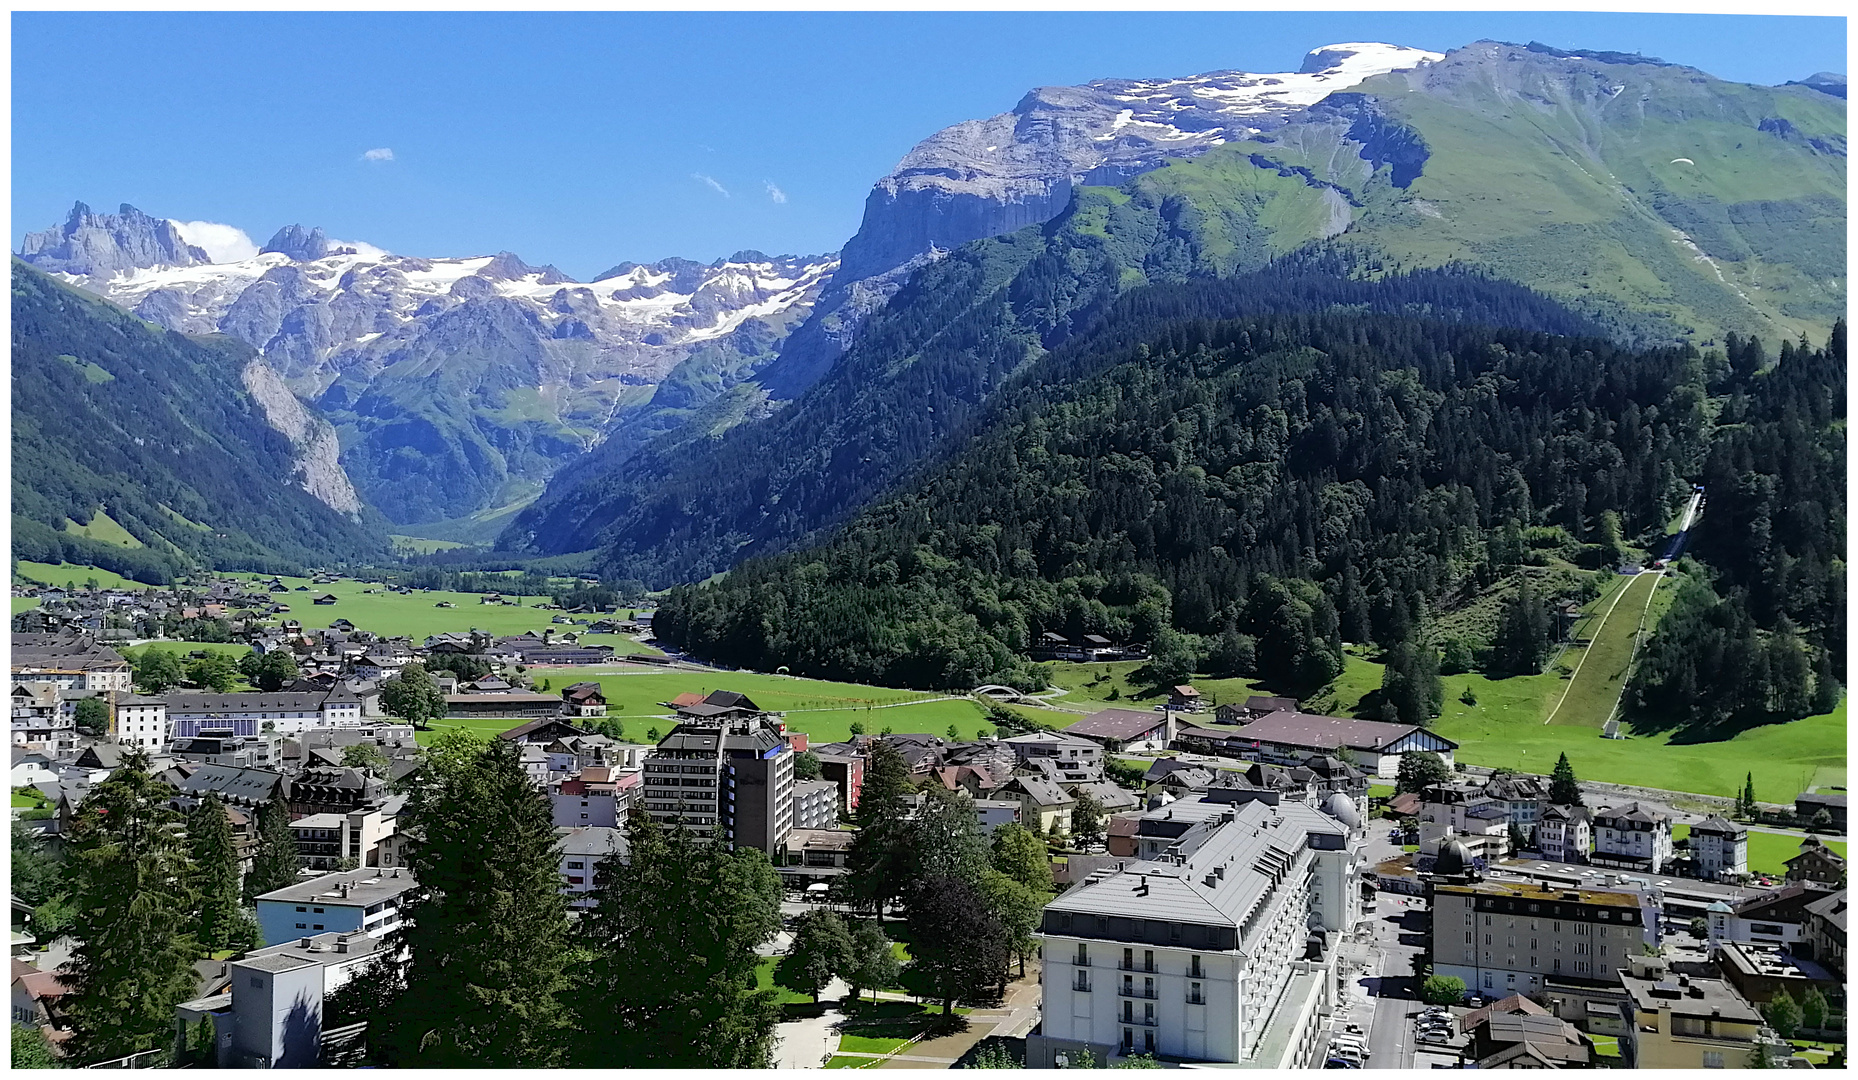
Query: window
300, 926
318, 911
1193, 995
1083, 953
256, 983
1467, 937
1193, 967
1128, 959
1712, 1059
1148, 1041
299, 907
1148, 955
316, 926
574, 866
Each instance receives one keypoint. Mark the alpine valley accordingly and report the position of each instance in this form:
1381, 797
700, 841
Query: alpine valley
667, 421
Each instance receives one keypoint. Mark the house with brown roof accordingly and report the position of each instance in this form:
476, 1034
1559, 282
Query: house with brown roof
1286, 737
1129, 729
1521, 1040
1816, 862
36, 1001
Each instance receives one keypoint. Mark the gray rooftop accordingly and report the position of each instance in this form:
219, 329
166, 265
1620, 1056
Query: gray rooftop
275, 962
1684, 995
367, 886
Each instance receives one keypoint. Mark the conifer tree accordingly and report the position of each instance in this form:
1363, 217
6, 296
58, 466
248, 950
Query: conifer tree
1746, 805
216, 873
274, 861
1564, 788
487, 945
878, 862
130, 879
674, 932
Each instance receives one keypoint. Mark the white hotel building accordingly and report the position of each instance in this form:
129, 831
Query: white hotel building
1220, 949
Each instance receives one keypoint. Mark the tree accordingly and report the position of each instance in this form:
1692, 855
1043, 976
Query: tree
1745, 806
1411, 692
413, 696
1826, 686
806, 765
1017, 908
954, 733
1172, 658
870, 964
1519, 842
92, 715
157, 670
878, 862
958, 948
216, 873
465, 667
366, 756
1522, 640
130, 877
31, 1051
1783, 1014
945, 839
1564, 788
1458, 658
857, 727
486, 942
1442, 990
1022, 856
35, 872
993, 1054
274, 861
1086, 819
1813, 1009
1233, 654
821, 949
671, 983
270, 671
215, 671
1138, 1061
1419, 770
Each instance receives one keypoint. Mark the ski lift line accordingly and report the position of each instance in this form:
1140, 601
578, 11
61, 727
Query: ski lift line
1572, 679
1638, 638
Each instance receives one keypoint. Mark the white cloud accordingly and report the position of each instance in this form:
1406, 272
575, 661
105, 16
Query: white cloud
774, 192
711, 181
379, 153
222, 243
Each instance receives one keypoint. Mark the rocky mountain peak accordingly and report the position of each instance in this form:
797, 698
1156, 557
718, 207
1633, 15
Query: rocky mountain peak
91, 244
300, 244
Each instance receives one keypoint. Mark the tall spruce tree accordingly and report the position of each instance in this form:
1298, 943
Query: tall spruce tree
216, 873
878, 863
487, 943
1564, 789
1523, 636
671, 983
274, 860
130, 878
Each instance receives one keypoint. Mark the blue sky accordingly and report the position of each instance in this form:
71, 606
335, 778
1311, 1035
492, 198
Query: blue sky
588, 139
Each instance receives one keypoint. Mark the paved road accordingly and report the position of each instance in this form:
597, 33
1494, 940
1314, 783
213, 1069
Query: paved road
1397, 924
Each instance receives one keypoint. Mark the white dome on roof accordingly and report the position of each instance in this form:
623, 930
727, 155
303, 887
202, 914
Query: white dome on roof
1342, 808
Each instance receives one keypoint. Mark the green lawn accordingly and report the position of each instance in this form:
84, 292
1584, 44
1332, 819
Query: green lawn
878, 1027
851, 1062
1606, 1045
1600, 675
28, 798
24, 603
1767, 852
61, 574
414, 614
764, 980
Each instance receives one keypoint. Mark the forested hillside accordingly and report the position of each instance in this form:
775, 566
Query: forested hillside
139, 450
1299, 480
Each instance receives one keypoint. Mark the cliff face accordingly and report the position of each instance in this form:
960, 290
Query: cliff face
317, 451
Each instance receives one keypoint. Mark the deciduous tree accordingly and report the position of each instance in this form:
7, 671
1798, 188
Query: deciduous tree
822, 948
413, 696
1419, 770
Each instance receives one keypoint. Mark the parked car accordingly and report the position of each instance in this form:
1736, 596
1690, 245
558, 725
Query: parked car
1436, 1037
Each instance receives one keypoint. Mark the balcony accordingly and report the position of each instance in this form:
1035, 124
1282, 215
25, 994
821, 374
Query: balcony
1138, 992
1082, 982
1139, 1021
1130, 965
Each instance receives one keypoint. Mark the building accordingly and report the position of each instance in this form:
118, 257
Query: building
1816, 862
584, 699
368, 899
816, 804
590, 805
1286, 737
1718, 849
1807, 807
1505, 937
69, 661
319, 840
251, 713
503, 703
1777, 917
37, 996
847, 771
1825, 933
1185, 699
1127, 729
1075, 760
333, 790
1044, 807
581, 851
233, 786
736, 774
1685, 1022
1523, 797
1632, 837
814, 856
1520, 1040
141, 721
1760, 972
1220, 950
40, 723
247, 1025
1564, 834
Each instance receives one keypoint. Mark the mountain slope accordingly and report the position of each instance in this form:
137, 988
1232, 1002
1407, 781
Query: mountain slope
158, 432
536, 368
1566, 172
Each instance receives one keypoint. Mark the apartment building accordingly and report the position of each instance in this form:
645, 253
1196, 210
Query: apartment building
1684, 1022
1072, 760
1633, 838
251, 713
733, 773
1718, 848
366, 900
1507, 937
816, 804
1564, 834
1221, 949
68, 661
140, 721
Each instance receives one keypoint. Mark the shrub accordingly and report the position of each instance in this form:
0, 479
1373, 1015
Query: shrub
1442, 990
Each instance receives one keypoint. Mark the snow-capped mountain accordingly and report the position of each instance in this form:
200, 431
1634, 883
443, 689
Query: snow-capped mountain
982, 178
532, 366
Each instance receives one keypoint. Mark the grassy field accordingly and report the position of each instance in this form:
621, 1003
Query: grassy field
24, 603
1767, 852
61, 574
1090, 687
825, 711
1505, 727
1600, 674
764, 980
415, 614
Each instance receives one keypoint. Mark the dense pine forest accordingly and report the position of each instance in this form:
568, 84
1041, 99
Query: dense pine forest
1248, 493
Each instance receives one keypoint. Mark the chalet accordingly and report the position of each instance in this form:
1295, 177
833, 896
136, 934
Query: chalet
1816, 862
584, 699
1254, 707
1044, 806
325, 599
490, 598
1808, 807
542, 732
1185, 699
